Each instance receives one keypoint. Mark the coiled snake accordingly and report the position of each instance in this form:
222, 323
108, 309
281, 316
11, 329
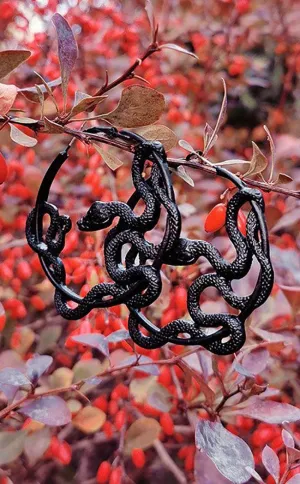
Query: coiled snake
137, 281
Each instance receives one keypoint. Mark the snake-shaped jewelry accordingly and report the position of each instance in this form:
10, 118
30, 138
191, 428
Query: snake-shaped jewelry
137, 283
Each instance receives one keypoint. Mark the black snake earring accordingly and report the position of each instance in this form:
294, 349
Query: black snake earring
137, 283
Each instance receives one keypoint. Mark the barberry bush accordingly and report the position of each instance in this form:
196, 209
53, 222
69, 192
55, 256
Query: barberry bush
215, 82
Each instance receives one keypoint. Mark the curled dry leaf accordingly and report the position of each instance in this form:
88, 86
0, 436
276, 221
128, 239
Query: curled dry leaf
142, 434
184, 175
282, 179
150, 13
8, 93
89, 420
21, 138
10, 59
258, 162
158, 132
138, 106
86, 103
53, 127
212, 138
108, 157
178, 49
34, 93
67, 50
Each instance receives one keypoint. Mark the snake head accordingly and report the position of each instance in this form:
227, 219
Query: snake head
97, 217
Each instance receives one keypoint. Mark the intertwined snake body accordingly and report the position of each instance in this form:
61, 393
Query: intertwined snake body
137, 282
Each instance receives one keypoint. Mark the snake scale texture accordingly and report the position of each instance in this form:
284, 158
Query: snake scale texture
137, 282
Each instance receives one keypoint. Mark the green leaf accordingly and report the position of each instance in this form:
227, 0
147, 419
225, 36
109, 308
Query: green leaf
48, 338
11, 445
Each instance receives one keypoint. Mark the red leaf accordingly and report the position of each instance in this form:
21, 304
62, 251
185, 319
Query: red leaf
267, 411
37, 365
206, 471
67, 50
94, 340
271, 462
256, 361
287, 438
230, 454
51, 410
294, 480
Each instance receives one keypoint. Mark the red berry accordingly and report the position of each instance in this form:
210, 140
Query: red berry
138, 458
2, 317
101, 402
38, 303
116, 476
120, 419
64, 454
242, 222
103, 472
3, 169
216, 218
167, 424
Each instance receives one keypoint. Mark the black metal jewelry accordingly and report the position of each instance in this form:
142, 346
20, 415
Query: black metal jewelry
137, 282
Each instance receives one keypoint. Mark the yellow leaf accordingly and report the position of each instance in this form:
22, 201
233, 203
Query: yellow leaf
158, 132
62, 377
108, 157
89, 420
141, 434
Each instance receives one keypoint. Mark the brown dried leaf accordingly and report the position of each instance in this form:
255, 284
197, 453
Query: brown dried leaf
142, 434
53, 127
258, 162
67, 50
8, 93
158, 132
89, 420
138, 106
108, 157
87, 103
282, 179
21, 138
10, 59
